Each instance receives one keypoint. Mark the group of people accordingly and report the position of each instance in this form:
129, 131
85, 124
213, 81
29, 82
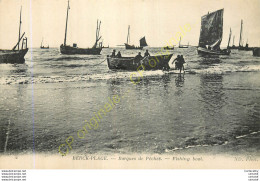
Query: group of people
179, 61
118, 55
139, 56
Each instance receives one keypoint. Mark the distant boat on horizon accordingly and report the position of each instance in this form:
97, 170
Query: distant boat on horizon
168, 48
142, 42
66, 49
211, 34
15, 56
42, 46
240, 46
183, 46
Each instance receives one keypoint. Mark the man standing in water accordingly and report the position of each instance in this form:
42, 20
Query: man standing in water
182, 61
179, 62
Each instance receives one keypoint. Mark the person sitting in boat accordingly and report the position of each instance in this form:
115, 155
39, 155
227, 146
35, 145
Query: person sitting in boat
139, 56
118, 55
147, 54
113, 53
177, 60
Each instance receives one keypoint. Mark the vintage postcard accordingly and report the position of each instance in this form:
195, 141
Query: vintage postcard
129, 84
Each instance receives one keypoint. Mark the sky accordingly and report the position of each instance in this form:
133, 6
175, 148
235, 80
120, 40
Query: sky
157, 20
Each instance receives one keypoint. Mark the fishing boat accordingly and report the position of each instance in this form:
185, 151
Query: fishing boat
168, 48
16, 55
182, 46
105, 47
229, 38
42, 46
71, 50
256, 52
160, 62
211, 34
241, 42
233, 46
142, 42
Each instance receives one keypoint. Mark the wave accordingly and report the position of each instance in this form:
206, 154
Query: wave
212, 141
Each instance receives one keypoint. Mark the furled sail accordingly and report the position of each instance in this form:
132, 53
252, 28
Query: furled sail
143, 42
211, 29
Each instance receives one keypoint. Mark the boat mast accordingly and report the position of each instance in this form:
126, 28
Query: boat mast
66, 23
180, 42
97, 34
41, 42
233, 40
241, 31
230, 33
20, 27
128, 35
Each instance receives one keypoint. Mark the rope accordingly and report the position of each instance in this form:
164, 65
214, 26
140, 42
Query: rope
98, 63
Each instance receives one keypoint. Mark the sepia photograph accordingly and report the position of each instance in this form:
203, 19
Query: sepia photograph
138, 84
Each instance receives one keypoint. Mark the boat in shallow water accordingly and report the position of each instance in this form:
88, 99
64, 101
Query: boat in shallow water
71, 50
160, 62
211, 34
16, 55
131, 47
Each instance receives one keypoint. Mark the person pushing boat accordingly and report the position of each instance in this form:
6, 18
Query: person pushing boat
179, 61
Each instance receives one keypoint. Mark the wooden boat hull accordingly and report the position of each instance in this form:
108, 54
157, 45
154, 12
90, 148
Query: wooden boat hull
168, 48
256, 52
13, 56
132, 64
44, 47
204, 51
245, 48
183, 47
68, 50
131, 47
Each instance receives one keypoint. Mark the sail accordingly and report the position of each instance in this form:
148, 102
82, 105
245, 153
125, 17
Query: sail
143, 42
211, 29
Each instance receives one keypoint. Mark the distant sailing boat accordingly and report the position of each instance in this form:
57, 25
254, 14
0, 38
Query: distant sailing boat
211, 34
42, 46
233, 46
66, 49
182, 46
142, 42
229, 38
241, 47
15, 56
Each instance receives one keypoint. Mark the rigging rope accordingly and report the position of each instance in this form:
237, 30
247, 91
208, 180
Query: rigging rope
99, 63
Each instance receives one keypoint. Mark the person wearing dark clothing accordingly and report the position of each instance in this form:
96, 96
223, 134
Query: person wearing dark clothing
118, 55
177, 60
139, 56
181, 62
147, 54
113, 53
